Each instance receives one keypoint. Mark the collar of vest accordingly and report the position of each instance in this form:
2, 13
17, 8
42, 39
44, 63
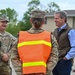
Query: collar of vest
34, 31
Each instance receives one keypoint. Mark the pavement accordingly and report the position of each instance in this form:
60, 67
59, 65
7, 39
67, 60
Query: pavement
72, 73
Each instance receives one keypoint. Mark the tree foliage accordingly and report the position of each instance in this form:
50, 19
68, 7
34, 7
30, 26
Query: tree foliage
34, 3
21, 25
52, 7
13, 29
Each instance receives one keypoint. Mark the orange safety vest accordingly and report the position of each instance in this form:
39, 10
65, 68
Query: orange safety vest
34, 51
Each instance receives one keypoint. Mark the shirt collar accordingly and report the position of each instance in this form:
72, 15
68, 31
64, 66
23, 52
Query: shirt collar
62, 27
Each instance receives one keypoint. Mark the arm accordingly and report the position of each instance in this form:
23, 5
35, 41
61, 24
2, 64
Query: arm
16, 60
12, 46
1, 53
8, 47
53, 57
71, 53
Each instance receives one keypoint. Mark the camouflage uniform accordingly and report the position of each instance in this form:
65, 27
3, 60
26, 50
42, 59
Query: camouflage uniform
7, 43
54, 54
16, 63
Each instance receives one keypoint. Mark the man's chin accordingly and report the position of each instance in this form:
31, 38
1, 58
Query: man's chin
3, 29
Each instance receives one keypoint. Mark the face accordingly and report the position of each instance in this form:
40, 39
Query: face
3, 25
58, 20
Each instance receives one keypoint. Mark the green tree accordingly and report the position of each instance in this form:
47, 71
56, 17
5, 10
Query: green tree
13, 29
52, 7
33, 3
21, 25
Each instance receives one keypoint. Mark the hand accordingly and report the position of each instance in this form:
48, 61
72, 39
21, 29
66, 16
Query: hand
17, 62
65, 58
5, 57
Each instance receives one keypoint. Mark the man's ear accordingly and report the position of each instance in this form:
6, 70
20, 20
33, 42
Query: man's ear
63, 19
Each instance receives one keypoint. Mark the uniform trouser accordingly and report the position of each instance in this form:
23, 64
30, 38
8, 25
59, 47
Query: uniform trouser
5, 70
63, 67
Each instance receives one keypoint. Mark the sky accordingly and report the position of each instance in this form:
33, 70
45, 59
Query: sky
21, 6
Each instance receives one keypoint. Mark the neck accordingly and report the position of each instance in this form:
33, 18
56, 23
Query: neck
62, 25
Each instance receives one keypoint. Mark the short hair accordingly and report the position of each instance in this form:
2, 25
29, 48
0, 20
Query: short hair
63, 14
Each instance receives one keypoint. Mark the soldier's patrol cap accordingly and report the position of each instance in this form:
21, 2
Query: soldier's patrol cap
3, 17
37, 13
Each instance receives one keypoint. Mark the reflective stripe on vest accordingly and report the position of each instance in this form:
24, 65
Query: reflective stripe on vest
34, 43
34, 64
38, 44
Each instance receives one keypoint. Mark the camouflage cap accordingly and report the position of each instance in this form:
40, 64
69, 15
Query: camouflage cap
37, 14
3, 17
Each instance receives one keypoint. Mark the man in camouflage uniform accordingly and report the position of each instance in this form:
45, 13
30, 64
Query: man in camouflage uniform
38, 14
7, 42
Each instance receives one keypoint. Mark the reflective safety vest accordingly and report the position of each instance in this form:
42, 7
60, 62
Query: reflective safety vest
34, 51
